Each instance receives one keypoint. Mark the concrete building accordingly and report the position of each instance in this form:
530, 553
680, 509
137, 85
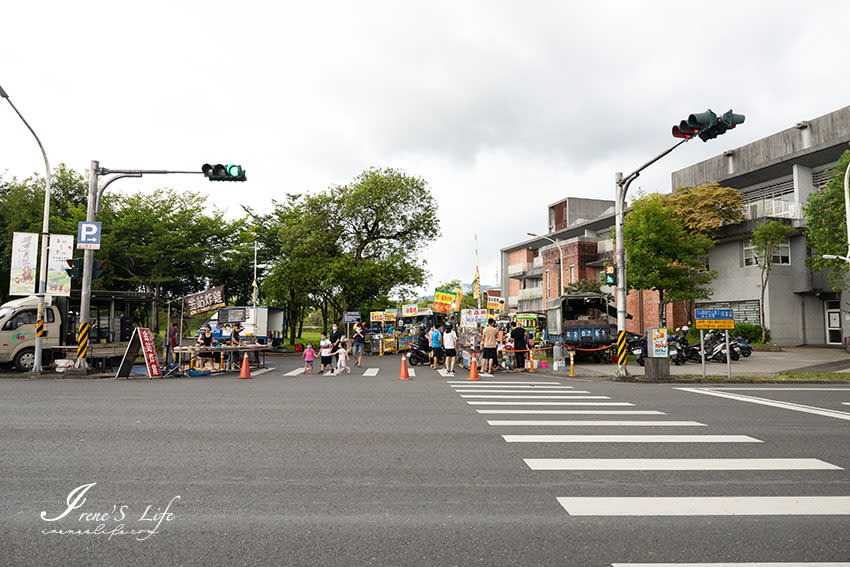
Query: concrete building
775, 175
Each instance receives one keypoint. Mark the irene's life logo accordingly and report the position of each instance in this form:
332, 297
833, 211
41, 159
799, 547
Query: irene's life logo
109, 521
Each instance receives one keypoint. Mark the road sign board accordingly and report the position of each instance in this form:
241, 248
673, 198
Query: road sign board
714, 314
88, 235
350, 316
714, 324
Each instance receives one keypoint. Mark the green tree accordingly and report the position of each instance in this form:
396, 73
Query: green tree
662, 255
826, 222
766, 240
705, 208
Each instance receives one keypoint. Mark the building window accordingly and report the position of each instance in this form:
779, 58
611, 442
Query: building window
572, 273
781, 254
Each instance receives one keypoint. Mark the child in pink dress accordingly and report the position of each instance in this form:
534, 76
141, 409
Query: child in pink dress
309, 356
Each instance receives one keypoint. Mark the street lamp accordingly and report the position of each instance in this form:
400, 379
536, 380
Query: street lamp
561, 269
42, 271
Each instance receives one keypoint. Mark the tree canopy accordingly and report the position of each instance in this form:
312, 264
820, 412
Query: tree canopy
826, 221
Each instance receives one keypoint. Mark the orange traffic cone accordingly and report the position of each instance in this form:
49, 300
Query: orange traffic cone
473, 368
246, 371
403, 374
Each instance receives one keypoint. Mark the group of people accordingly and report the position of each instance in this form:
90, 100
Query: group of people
333, 351
205, 339
516, 341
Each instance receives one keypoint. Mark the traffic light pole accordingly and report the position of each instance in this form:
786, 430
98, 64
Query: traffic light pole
95, 194
620, 255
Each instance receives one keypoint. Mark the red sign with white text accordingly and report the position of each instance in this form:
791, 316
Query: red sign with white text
149, 352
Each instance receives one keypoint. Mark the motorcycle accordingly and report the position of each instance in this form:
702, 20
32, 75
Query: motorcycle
744, 345
637, 346
715, 348
675, 351
418, 355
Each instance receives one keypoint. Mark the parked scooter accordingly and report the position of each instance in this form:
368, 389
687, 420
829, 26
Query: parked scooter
417, 355
637, 346
715, 347
744, 345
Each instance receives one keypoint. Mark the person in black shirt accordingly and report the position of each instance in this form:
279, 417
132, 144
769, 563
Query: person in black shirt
336, 341
359, 342
518, 335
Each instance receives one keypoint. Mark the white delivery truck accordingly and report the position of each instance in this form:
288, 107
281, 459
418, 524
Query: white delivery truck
17, 331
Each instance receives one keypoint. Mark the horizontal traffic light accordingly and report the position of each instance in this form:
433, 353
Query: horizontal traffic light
706, 125
219, 172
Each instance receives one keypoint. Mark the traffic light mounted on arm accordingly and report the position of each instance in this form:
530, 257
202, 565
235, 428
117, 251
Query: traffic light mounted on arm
707, 125
219, 172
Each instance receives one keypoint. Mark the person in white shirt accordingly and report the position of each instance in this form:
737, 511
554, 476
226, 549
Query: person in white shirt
325, 353
341, 361
450, 345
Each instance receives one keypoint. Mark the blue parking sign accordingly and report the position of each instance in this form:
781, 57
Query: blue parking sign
88, 235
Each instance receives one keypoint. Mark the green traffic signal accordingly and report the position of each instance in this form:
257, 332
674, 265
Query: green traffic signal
219, 172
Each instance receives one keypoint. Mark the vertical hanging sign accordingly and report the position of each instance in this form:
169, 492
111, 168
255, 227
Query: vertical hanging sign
61, 250
23, 266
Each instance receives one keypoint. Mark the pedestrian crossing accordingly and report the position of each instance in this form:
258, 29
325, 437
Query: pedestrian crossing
529, 404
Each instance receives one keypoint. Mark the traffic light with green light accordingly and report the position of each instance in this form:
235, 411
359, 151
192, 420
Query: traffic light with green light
219, 172
610, 274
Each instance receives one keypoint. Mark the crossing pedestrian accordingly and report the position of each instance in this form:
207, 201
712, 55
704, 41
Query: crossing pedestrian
450, 344
489, 342
436, 347
518, 336
325, 353
336, 339
359, 342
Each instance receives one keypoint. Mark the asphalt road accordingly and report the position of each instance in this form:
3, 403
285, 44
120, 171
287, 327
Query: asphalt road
370, 470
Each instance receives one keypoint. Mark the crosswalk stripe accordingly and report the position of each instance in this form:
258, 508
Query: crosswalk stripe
630, 439
729, 564
371, 372
485, 375
491, 391
593, 423
443, 372
295, 372
519, 403
488, 385
678, 465
534, 397
708, 506
500, 383
569, 412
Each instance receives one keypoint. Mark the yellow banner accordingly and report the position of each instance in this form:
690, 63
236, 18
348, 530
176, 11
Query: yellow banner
715, 324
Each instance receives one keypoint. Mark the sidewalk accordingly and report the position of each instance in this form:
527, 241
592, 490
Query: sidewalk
803, 359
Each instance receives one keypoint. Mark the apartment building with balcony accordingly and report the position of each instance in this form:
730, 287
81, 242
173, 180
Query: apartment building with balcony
775, 176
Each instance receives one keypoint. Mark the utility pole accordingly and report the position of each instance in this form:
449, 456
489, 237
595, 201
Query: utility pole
218, 172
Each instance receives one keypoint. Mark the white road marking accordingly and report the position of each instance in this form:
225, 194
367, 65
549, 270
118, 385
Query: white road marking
593, 423
784, 389
766, 402
679, 465
491, 391
570, 412
519, 403
485, 375
261, 371
371, 372
488, 385
730, 564
535, 397
295, 372
630, 439
500, 383
709, 506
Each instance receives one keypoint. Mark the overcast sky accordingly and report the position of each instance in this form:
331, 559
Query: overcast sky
502, 107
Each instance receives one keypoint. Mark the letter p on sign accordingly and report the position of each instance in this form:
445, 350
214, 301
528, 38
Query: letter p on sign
88, 235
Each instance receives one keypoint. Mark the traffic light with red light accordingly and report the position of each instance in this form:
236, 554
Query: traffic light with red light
707, 125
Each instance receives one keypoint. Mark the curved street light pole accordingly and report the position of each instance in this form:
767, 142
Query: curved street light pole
560, 270
42, 271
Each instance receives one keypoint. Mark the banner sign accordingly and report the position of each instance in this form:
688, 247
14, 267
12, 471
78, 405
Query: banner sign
390, 315
472, 317
61, 250
714, 318
444, 301
527, 320
350, 316
142, 340
22, 272
410, 310
657, 343
212, 298
376, 316
496, 303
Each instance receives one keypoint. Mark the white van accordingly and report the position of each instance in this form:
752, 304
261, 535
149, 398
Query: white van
17, 331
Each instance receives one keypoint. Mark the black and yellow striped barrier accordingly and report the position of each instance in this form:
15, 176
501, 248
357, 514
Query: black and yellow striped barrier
83, 340
621, 348
39, 328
